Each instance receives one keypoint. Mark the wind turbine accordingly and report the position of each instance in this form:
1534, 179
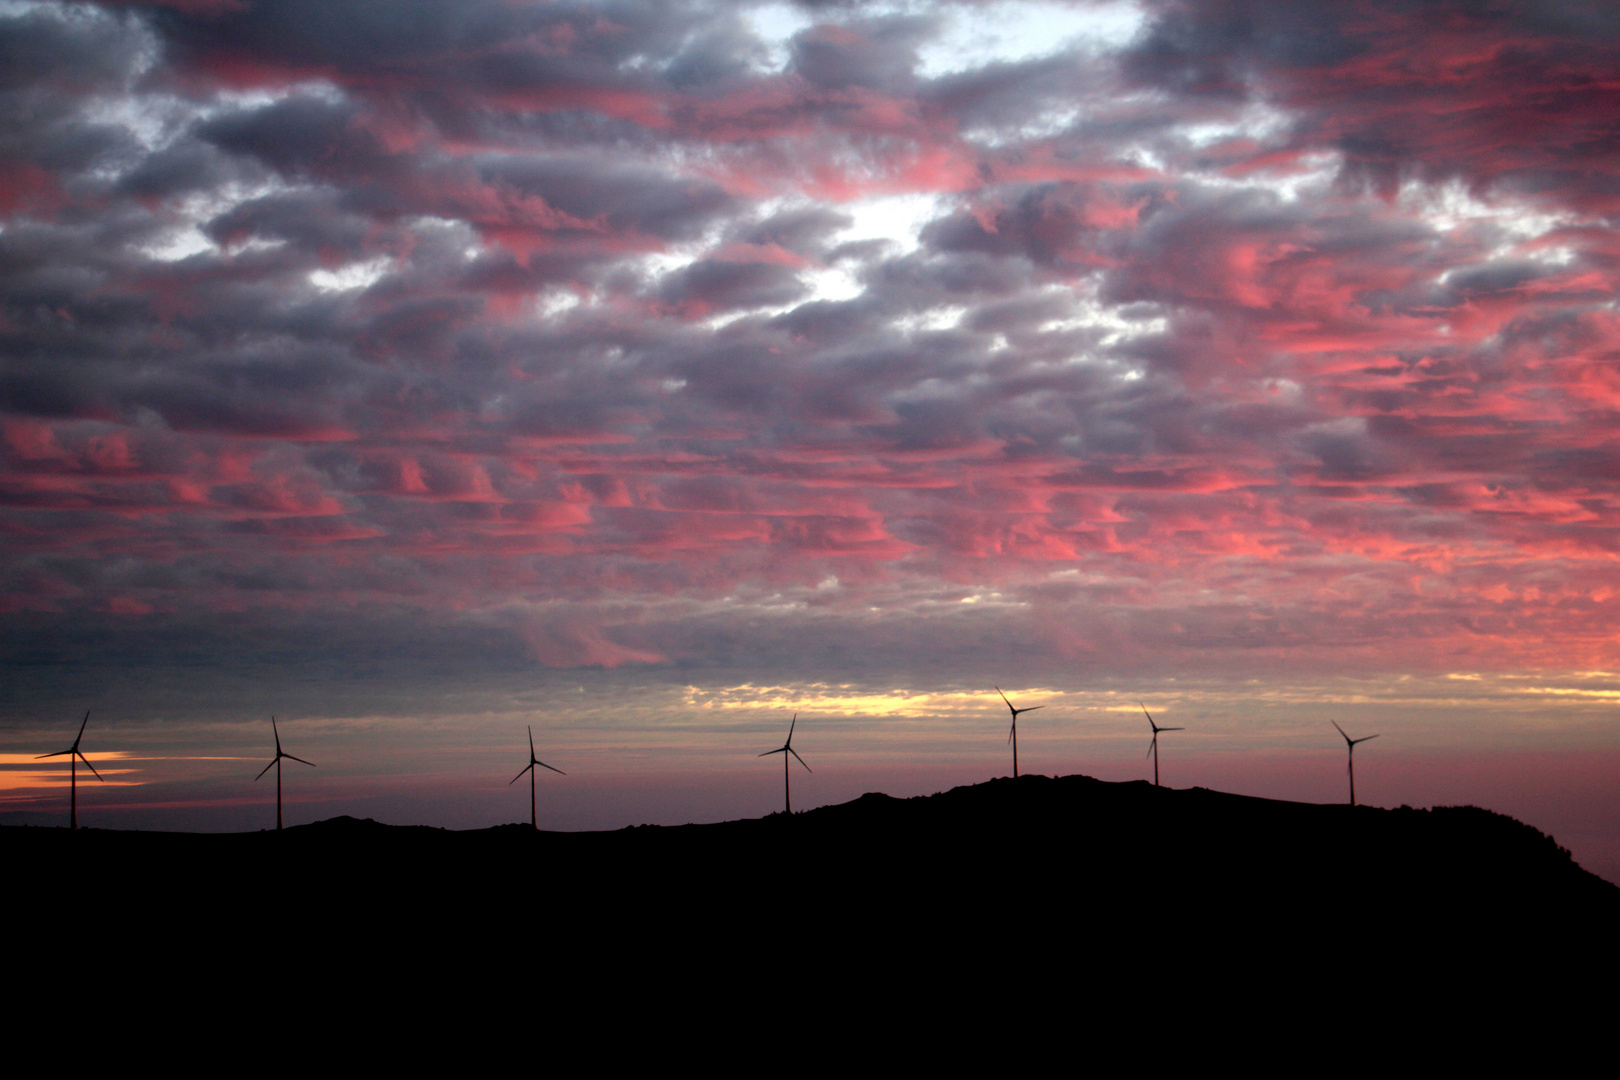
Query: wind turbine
534, 821
1012, 736
785, 749
1351, 744
276, 761
74, 757
1153, 747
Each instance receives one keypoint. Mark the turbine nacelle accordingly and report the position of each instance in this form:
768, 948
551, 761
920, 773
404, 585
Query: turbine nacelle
1348, 741
1015, 713
787, 747
280, 753
73, 751
533, 761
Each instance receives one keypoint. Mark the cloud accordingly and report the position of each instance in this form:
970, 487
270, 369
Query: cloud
583, 336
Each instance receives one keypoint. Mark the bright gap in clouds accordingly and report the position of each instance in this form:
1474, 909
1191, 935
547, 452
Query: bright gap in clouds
897, 219
1256, 120
183, 237
1451, 206
1308, 174
1008, 32
357, 275
775, 25
1014, 32
1091, 313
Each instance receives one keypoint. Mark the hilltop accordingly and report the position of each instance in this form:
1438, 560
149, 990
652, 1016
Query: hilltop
1085, 845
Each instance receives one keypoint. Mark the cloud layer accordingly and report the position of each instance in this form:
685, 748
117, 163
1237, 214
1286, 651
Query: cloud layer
793, 338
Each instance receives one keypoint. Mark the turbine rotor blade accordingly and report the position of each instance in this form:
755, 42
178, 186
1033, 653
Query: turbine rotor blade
1340, 730
1151, 745
267, 767
1172, 729
778, 750
1145, 712
59, 753
800, 760
1032, 708
543, 765
86, 720
311, 764
91, 767
531, 742
1004, 698
519, 776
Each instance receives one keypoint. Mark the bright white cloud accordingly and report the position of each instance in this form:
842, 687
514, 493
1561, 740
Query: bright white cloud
356, 275
1011, 32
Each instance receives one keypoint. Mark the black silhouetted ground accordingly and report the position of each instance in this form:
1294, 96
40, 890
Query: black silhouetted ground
1090, 882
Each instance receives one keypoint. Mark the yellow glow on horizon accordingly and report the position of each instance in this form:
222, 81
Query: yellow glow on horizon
34, 760
1568, 691
17, 780
845, 699
822, 698
48, 774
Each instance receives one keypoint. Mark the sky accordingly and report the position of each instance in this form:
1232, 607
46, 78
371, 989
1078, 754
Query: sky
650, 373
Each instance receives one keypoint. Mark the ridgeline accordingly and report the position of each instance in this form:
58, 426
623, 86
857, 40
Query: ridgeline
1122, 867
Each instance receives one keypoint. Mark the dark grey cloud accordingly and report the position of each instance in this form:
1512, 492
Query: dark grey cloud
880, 54
715, 286
67, 50
807, 230
619, 196
306, 137
1520, 113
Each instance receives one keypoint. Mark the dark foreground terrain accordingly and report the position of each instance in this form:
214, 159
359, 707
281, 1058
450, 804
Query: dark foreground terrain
1072, 843
1091, 884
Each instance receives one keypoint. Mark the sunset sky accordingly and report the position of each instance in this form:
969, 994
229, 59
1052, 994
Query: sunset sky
648, 372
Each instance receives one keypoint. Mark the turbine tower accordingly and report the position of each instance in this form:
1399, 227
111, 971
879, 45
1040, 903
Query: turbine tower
74, 757
1153, 747
1350, 744
276, 761
785, 749
1012, 736
534, 822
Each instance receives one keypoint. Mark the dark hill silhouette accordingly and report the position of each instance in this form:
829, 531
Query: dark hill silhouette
1091, 876
1225, 849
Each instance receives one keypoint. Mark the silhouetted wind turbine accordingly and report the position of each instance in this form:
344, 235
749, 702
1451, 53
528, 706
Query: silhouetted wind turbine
1012, 736
1153, 747
74, 757
276, 761
785, 749
533, 761
1351, 744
